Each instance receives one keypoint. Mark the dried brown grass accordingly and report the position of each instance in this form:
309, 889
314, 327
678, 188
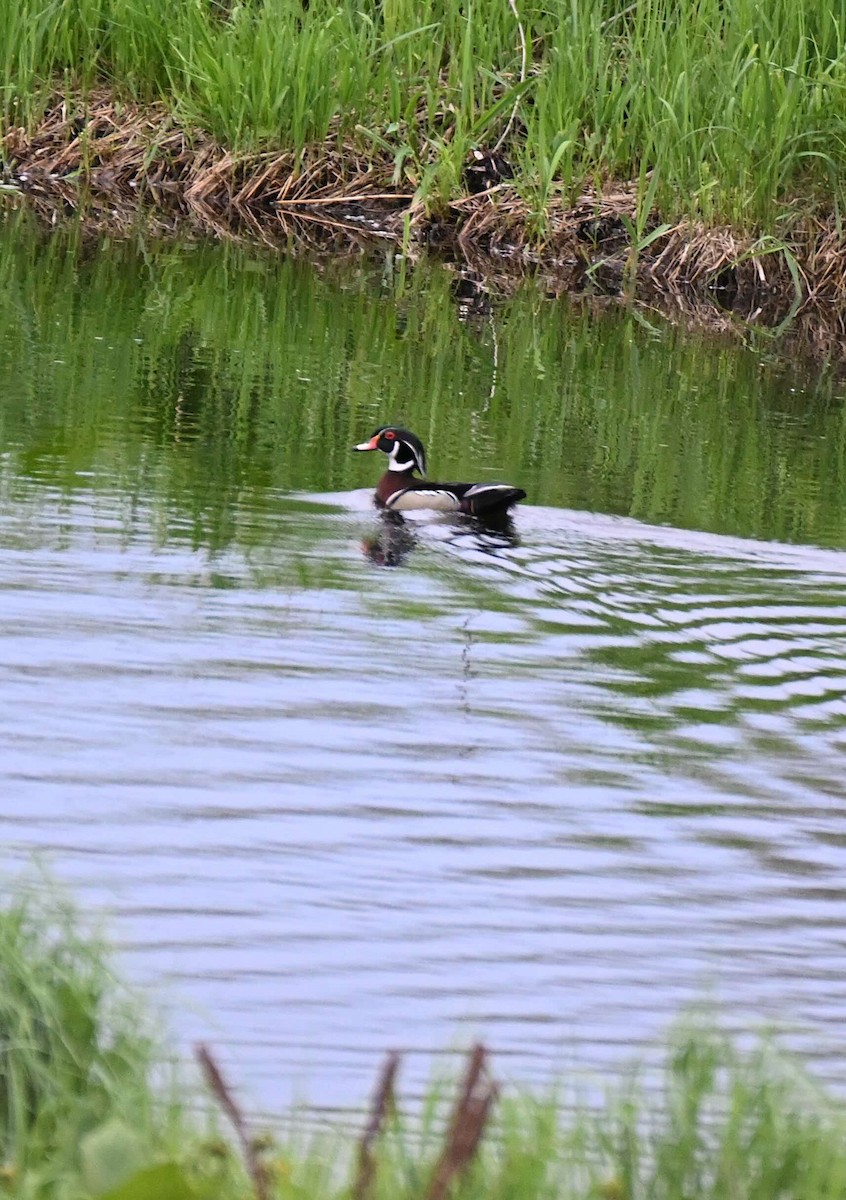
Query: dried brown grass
225, 1097
476, 1097
118, 163
477, 1094
384, 1103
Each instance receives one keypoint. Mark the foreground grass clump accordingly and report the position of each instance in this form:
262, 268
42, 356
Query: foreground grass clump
721, 112
78, 1104
82, 1114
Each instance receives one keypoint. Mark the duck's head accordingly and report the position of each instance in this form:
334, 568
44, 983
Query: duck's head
404, 449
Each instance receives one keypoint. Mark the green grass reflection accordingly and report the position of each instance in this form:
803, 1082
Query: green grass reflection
213, 375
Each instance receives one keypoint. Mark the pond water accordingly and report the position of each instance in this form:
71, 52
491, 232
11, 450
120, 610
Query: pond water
547, 789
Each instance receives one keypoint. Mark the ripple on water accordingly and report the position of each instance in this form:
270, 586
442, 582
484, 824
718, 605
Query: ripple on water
549, 791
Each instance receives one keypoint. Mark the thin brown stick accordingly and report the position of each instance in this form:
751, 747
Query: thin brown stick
225, 1098
317, 201
383, 1102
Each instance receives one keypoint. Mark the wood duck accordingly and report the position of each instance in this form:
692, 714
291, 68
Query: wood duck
399, 491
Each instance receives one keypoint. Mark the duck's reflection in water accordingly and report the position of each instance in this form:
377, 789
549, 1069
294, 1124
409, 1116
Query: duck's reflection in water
393, 539
391, 542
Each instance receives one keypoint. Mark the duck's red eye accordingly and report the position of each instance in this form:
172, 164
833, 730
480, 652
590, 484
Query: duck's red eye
389, 434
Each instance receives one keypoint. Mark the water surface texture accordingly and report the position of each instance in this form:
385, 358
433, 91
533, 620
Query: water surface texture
548, 789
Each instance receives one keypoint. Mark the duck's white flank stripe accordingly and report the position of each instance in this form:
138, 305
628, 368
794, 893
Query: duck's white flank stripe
415, 498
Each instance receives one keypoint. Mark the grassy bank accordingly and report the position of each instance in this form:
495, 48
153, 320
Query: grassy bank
87, 1110
726, 112
693, 148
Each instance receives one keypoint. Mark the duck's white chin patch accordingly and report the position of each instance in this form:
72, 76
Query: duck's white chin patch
393, 465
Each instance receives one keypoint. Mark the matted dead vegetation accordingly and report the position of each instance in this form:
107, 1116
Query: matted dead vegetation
116, 163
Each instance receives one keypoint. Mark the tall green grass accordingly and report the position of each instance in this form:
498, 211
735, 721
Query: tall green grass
731, 111
82, 1115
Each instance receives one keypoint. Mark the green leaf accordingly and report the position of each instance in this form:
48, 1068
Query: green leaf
402, 37
653, 236
505, 101
110, 1154
164, 1182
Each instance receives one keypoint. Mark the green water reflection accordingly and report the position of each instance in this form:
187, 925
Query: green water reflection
203, 372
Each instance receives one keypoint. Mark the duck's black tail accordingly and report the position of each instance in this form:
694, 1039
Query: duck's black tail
488, 499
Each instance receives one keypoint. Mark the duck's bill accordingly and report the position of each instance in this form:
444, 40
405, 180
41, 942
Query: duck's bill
371, 445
